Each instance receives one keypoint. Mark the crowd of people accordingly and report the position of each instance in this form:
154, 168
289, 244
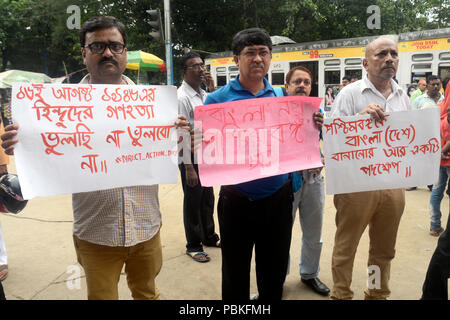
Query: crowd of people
259, 214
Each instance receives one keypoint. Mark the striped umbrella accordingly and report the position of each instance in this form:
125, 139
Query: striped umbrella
140, 60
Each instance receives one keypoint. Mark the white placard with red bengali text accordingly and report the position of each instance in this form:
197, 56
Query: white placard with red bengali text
362, 154
78, 138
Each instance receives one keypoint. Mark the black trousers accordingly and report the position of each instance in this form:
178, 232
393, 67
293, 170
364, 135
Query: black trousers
435, 286
265, 224
2, 293
198, 209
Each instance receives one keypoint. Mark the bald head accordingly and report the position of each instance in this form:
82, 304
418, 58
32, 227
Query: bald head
381, 60
377, 42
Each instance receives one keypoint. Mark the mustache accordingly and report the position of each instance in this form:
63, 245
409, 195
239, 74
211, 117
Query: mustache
112, 60
257, 64
300, 90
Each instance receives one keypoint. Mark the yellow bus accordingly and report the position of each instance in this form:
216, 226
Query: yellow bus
421, 54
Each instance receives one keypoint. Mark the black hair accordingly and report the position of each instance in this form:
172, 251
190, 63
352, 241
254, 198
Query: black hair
346, 78
250, 37
186, 57
431, 78
102, 22
409, 89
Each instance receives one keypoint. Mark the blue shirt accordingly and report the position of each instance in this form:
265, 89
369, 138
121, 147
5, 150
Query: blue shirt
260, 188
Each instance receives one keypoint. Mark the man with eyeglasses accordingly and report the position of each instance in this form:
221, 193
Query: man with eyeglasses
309, 197
256, 213
198, 202
119, 226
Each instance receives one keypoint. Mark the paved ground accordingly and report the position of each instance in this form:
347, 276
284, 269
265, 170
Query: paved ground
42, 261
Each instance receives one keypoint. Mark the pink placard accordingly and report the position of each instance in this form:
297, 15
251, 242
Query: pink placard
251, 139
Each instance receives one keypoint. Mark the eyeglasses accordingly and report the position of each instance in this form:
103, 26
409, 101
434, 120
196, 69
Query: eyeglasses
297, 82
252, 54
196, 67
100, 47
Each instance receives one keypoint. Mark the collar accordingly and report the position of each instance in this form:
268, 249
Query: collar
191, 92
367, 84
441, 96
87, 79
236, 85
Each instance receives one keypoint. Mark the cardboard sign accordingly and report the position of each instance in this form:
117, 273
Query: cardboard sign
76, 138
362, 154
251, 139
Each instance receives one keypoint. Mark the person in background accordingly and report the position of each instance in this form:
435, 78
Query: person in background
437, 193
309, 199
421, 87
329, 96
198, 203
435, 286
411, 89
432, 96
346, 80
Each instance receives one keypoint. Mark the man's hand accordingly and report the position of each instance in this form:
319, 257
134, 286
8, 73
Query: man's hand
191, 175
375, 111
181, 123
209, 81
318, 120
9, 138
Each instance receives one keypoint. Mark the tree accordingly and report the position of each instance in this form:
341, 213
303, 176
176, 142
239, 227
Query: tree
34, 35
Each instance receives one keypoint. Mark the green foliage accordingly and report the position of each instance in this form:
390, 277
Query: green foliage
34, 35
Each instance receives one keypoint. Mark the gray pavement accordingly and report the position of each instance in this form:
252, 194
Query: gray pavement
42, 260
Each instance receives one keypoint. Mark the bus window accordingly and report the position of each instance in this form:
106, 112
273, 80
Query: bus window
444, 70
354, 73
233, 69
332, 62
420, 71
233, 76
421, 67
221, 80
444, 56
353, 61
332, 76
422, 57
221, 69
277, 78
416, 76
